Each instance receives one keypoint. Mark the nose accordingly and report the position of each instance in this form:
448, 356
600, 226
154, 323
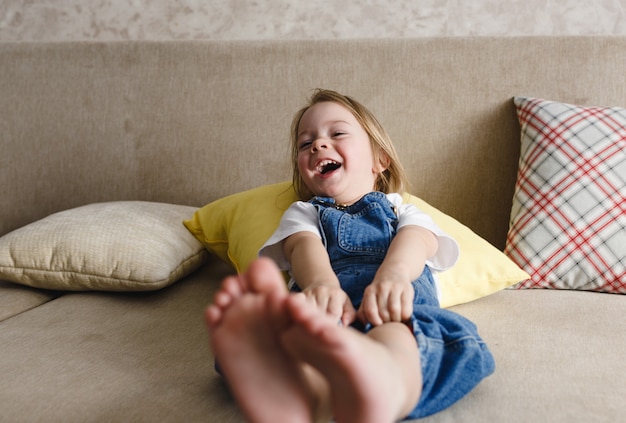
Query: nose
318, 144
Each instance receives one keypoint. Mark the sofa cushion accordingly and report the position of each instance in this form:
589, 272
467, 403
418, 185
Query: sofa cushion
235, 227
16, 299
145, 357
114, 246
568, 220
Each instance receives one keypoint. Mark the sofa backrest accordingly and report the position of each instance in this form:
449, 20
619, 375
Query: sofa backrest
188, 122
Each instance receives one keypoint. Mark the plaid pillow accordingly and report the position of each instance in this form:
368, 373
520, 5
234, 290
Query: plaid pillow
568, 220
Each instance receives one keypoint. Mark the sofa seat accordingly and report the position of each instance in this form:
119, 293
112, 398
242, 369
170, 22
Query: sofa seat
146, 357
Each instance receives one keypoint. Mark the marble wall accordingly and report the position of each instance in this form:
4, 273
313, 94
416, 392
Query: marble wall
66, 20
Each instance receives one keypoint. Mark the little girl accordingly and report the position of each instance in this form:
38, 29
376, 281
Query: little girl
365, 340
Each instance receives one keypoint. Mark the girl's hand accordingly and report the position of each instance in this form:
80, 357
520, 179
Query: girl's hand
389, 298
333, 300
387, 301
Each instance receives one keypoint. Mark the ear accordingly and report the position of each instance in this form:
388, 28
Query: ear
382, 165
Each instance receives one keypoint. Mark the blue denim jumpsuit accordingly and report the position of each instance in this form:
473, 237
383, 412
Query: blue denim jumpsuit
454, 358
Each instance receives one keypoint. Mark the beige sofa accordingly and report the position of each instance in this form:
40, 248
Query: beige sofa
187, 123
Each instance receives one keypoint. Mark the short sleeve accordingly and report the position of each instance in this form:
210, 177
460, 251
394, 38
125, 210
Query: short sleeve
299, 217
448, 252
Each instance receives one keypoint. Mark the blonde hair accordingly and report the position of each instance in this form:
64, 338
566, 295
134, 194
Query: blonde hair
392, 179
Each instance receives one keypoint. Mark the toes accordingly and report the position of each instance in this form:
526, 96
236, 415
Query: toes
212, 316
278, 318
299, 307
231, 288
307, 316
263, 276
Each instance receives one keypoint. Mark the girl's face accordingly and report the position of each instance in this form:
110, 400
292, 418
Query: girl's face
335, 156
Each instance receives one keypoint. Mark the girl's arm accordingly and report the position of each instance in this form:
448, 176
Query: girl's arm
312, 271
390, 295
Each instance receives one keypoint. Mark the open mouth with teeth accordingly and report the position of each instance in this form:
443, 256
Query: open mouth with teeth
328, 166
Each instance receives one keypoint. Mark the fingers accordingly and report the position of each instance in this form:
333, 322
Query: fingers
370, 310
387, 302
349, 314
334, 301
382, 302
406, 299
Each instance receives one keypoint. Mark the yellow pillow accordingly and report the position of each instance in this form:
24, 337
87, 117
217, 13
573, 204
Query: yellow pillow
235, 227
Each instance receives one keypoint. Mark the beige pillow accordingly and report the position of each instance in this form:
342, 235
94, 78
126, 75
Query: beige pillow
114, 246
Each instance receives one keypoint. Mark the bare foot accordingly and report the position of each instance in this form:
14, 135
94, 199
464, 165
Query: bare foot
244, 322
262, 277
374, 378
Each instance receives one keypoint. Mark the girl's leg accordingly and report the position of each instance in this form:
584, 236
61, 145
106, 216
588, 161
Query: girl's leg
245, 320
373, 378
454, 357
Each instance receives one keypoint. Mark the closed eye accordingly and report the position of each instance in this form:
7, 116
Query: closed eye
304, 145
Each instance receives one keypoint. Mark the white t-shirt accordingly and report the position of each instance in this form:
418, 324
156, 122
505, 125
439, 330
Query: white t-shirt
302, 216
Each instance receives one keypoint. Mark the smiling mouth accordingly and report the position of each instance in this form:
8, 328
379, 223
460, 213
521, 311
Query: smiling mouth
327, 166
